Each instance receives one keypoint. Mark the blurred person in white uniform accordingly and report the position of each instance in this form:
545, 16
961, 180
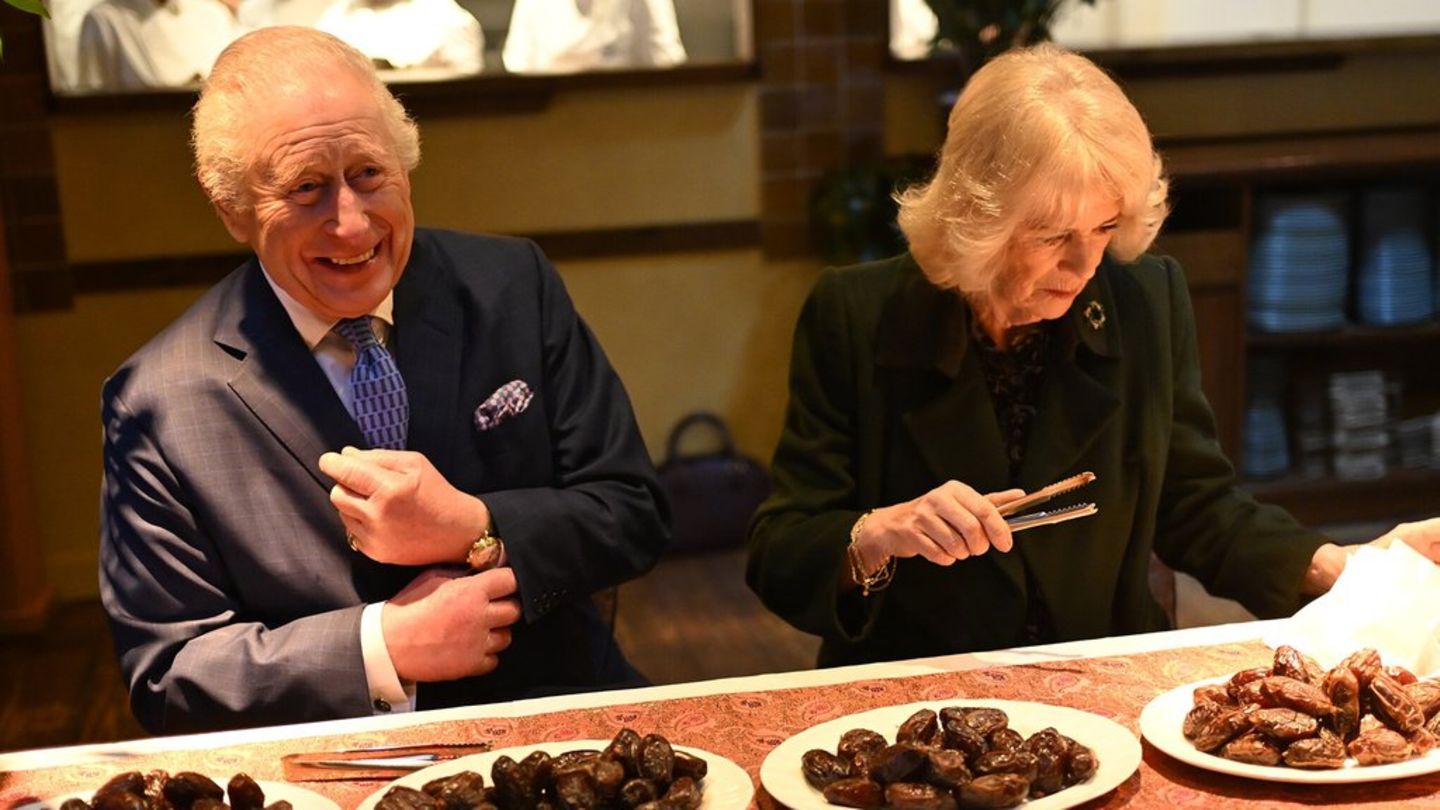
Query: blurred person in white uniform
136, 45
912, 29
565, 36
409, 34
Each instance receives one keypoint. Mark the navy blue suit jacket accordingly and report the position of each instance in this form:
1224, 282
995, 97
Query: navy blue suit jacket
233, 597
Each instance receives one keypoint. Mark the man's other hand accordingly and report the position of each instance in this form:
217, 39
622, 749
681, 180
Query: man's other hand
399, 509
448, 624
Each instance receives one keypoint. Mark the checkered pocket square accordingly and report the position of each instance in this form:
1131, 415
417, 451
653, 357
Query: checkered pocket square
510, 399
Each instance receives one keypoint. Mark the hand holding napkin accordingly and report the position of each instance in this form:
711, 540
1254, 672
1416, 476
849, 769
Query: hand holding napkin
1386, 598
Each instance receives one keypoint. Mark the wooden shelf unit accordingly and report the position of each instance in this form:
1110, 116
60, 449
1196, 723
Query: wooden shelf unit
1214, 184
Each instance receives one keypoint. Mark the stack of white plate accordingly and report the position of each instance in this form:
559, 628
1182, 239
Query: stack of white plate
1359, 415
1396, 277
1299, 263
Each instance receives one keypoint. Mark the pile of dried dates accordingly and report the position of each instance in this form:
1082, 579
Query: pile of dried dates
158, 790
632, 773
958, 757
1295, 713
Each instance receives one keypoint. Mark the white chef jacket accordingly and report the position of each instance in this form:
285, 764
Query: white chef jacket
141, 44
409, 33
565, 36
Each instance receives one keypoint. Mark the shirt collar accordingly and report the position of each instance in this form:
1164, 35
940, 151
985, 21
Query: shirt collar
313, 328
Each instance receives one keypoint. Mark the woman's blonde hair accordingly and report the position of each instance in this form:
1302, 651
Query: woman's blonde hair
255, 67
1033, 133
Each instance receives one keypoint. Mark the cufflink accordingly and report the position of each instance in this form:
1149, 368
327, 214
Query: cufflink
381, 705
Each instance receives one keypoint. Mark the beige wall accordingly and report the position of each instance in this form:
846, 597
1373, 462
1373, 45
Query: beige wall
687, 331
1378, 89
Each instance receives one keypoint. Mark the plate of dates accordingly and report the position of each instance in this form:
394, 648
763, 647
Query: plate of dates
1297, 722
990, 753
572, 773
240, 792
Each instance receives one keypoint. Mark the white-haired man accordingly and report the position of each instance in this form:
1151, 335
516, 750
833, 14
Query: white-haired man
256, 565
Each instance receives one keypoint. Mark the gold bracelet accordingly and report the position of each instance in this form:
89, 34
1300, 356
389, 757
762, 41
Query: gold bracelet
878, 580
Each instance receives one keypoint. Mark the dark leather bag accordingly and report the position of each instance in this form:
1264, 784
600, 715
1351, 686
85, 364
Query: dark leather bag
712, 495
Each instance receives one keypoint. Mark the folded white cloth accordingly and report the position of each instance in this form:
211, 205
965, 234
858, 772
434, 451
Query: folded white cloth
1388, 599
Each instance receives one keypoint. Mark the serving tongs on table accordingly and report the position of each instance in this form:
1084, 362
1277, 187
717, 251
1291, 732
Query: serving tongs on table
1021, 522
375, 762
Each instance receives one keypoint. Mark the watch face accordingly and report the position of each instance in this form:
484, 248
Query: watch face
486, 553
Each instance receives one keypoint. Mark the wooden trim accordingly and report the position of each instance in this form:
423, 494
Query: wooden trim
24, 594
502, 94
1308, 157
38, 291
1209, 59
1400, 494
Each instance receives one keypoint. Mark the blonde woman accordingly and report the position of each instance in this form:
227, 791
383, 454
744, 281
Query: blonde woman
1025, 337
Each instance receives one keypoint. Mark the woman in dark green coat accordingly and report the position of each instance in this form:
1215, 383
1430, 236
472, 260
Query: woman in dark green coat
1024, 338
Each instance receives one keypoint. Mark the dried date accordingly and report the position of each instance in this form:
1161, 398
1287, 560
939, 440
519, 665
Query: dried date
897, 763
1210, 725
1380, 746
1343, 689
1324, 752
245, 793
1292, 694
1285, 725
922, 728
986, 720
1005, 739
657, 759
406, 798
1022, 763
1252, 747
995, 790
918, 796
1394, 706
1080, 764
856, 792
958, 735
1426, 695
947, 768
184, 788
1365, 664
822, 768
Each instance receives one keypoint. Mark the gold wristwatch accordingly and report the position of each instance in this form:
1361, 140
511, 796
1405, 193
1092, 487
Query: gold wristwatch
486, 552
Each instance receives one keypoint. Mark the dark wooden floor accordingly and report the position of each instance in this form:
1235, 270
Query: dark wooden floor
690, 619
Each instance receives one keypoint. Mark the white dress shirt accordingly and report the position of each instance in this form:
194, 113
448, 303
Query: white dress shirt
565, 36
336, 358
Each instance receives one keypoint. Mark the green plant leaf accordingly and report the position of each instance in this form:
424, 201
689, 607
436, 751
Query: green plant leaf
32, 6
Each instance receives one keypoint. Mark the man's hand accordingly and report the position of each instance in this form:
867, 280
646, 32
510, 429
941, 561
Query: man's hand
399, 509
447, 624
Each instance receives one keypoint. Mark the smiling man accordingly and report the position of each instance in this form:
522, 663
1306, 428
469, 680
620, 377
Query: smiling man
308, 475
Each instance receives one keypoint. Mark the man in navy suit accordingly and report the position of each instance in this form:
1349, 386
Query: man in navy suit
264, 557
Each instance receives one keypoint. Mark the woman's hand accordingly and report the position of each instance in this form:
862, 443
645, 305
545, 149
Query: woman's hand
949, 523
1329, 560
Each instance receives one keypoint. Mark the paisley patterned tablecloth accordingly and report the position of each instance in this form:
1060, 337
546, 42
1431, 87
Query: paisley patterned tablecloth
745, 726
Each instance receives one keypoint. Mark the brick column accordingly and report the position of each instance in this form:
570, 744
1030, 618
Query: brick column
30, 242
821, 104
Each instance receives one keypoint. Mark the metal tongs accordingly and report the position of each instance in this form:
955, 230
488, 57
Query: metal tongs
1046, 517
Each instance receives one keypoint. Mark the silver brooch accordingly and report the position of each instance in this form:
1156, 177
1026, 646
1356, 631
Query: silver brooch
1095, 315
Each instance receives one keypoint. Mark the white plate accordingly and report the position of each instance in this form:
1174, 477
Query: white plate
1163, 718
1115, 747
726, 785
300, 798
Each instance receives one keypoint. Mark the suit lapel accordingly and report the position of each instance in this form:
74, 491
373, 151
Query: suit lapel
429, 320
279, 380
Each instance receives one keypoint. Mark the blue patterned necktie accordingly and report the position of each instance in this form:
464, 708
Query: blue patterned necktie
381, 408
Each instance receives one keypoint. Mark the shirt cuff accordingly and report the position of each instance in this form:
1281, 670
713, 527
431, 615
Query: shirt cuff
387, 693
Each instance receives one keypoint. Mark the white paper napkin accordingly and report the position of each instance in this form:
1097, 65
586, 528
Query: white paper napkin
1388, 599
